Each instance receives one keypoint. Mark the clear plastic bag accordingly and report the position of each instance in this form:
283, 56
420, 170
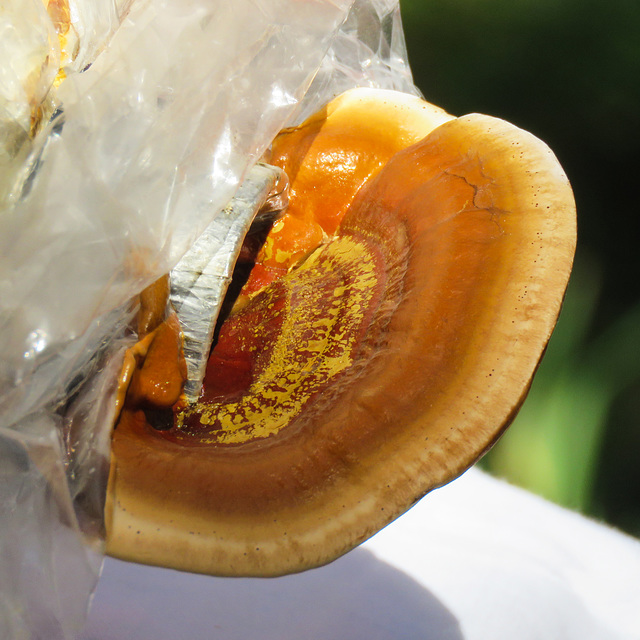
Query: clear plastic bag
165, 106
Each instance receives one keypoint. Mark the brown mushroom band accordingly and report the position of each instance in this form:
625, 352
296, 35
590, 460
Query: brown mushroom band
381, 368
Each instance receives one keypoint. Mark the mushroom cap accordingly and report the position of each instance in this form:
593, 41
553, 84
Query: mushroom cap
443, 284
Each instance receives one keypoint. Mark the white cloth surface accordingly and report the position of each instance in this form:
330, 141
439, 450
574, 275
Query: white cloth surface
475, 560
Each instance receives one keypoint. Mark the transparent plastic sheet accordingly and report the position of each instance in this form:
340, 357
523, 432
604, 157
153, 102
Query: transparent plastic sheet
132, 159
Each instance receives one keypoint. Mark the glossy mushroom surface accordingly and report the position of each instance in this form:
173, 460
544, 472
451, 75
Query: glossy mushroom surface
380, 367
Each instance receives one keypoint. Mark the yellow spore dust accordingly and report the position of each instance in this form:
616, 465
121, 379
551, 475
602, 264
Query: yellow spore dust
326, 314
60, 14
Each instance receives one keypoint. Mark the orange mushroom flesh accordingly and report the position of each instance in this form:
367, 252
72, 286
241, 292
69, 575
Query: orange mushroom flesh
327, 160
380, 367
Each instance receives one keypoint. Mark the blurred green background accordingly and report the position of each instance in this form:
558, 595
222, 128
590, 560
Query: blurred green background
569, 72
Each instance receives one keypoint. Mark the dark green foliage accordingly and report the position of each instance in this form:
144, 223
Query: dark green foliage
569, 72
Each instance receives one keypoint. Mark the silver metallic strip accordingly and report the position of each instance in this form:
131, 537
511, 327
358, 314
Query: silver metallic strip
200, 280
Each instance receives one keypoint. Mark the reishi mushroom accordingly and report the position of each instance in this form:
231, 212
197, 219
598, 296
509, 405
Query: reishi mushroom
383, 364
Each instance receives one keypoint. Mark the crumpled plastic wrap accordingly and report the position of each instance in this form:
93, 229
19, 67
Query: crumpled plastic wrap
109, 171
